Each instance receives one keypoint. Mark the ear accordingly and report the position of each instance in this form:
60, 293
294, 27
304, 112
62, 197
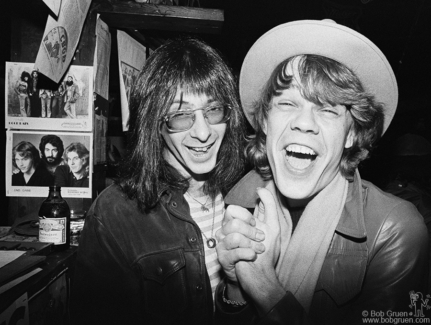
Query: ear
350, 138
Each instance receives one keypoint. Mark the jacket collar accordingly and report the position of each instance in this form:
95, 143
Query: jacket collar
351, 222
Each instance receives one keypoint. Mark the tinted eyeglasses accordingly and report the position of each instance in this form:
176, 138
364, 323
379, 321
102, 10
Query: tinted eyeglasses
180, 121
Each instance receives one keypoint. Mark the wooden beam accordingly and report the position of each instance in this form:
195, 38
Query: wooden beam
143, 16
150, 42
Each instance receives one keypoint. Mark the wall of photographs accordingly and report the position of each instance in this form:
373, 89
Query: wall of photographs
49, 131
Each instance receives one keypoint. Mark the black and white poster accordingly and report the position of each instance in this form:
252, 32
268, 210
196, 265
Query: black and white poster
35, 102
35, 160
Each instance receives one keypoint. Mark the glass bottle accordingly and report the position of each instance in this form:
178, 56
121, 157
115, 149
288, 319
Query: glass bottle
54, 220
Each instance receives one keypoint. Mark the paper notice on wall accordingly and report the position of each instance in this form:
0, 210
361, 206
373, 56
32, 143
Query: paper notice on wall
54, 5
102, 59
60, 38
131, 58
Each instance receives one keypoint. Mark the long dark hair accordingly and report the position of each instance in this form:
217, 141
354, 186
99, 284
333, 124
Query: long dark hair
322, 81
25, 74
54, 140
195, 67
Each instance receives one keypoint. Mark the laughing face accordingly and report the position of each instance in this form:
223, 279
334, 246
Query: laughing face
193, 152
305, 143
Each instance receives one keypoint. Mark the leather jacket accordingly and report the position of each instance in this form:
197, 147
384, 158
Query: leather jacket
140, 268
377, 257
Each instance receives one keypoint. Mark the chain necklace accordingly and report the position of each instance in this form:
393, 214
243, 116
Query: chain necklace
211, 242
203, 206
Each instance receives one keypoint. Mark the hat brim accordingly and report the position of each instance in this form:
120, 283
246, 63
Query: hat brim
325, 38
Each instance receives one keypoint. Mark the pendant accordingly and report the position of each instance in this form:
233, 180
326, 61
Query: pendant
211, 243
204, 208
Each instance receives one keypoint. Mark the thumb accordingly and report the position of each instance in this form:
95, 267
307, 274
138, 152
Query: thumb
267, 211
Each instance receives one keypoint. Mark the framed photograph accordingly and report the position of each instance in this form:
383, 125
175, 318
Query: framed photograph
33, 101
35, 160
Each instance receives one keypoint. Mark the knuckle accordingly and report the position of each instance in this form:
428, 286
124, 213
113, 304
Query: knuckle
236, 239
237, 224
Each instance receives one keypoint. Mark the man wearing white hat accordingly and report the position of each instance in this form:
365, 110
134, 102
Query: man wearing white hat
323, 245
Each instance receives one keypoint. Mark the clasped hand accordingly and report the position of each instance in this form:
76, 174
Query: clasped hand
249, 245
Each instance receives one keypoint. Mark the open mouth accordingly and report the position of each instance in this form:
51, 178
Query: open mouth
200, 150
300, 157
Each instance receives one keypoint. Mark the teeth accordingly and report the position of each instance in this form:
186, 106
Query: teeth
300, 149
300, 157
200, 149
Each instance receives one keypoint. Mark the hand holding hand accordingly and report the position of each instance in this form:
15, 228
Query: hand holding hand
267, 290
238, 239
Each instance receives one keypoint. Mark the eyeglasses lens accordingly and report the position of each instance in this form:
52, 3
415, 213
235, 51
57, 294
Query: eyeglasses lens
182, 121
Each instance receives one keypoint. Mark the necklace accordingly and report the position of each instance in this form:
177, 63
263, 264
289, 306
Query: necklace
211, 242
203, 206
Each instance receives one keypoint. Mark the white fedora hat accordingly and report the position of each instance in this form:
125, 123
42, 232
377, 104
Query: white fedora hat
319, 37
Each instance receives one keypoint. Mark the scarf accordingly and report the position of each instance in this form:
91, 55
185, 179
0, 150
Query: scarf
302, 253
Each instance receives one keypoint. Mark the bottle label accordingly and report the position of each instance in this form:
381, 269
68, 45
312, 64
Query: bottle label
52, 230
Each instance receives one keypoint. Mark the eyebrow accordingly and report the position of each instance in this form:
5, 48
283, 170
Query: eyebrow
182, 102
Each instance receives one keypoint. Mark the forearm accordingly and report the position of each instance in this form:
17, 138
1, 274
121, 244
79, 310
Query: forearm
261, 284
230, 314
287, 310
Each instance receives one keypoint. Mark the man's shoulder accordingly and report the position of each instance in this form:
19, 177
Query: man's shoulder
112, 203
387, 200
383, 207
110, 195
62, 168
41, 169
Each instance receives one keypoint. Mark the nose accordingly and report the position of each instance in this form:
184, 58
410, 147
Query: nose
305, 120
201, 129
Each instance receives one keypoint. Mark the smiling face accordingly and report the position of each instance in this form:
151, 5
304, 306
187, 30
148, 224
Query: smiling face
75, 163
193, 152
25, 164
305, 142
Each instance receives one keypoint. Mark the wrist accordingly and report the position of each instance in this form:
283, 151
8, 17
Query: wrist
233, 294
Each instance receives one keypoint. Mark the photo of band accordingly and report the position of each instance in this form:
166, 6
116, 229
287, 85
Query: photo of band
36, 160
31, 99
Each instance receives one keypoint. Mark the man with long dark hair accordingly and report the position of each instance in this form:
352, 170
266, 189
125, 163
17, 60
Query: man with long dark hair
147, 252
51, 149
33, 91
22, 89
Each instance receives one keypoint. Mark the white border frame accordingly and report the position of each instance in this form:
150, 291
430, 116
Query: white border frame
84, 122
14, 137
